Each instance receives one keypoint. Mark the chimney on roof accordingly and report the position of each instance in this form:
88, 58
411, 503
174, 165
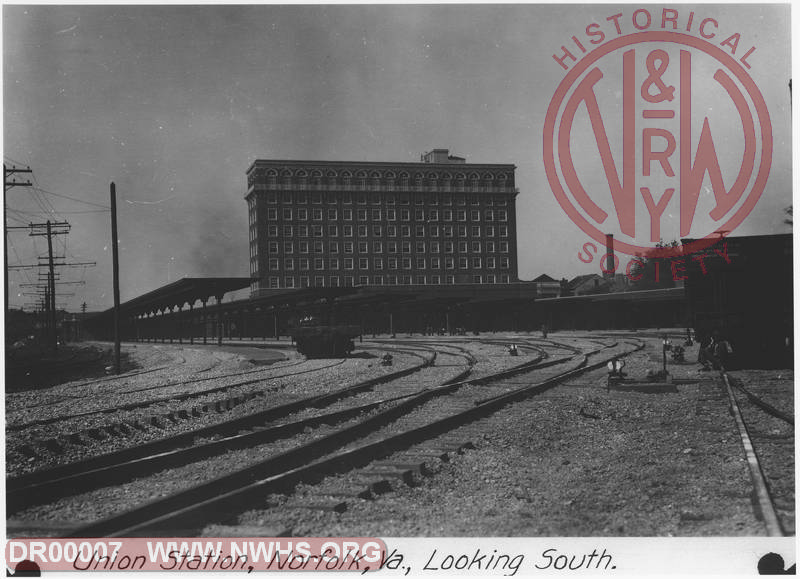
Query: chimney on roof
609, 273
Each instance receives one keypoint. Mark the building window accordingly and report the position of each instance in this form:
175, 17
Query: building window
334, 281
347, 214
334, 246
447, 214
377, 247
502, 215
489, 215
377, 263
419, 215
272, 213
434, 247
362, 199
272, 197
392, 263
448, 247
504, 278
272, 247
332, 214
449, 263
304, 263
436, 279
406, 261
303, 246
404, 196
287, 213
302, 199
363, 280
318, 247
333, 230
419, 231
433, 215
490, 231
477, 279
377, 280
348, 230
287, 231
273, 282
461, 215
319, 263
362, 230
302, 214
348, 247
475, 215
434, 231
405, 215
288, 282
304, 281
490, 263
476, 247
348, 263
391, 279
462, 247
316, 214
363, 247
503, 247
491, 278
316, 198
405, 280
319, 281
405, 230
475, 200
490, 247
501, 202
463, 263
347, 199
420, 263
504, 264
302, 230
273, 264
476, 263
462, 230
391, 246
391, 230
362, 214
376, 214
420, 280
476, 231
288, 264
288, 247
420, 247
406, 245
333, 263
436, 263
390, 200
447, 230
503, 230
451, 279
377, 230
461, 200
447, 200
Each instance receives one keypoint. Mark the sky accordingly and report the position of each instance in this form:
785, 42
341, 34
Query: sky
173, 103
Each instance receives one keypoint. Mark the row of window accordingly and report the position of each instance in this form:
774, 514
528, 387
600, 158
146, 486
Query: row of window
288, 213
348, 281
391, 247
319, 263
346, 198
378, 231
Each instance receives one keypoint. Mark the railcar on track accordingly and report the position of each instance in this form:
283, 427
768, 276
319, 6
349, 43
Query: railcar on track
315, 339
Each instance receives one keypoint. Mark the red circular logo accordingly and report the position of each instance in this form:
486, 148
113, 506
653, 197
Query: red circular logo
667, 163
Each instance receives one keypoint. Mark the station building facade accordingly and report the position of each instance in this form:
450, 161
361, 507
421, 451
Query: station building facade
441, 221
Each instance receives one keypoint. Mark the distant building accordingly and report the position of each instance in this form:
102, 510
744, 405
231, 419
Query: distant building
590, 283
441, 221
547, 287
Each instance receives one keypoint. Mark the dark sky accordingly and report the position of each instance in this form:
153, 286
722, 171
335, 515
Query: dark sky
174, 103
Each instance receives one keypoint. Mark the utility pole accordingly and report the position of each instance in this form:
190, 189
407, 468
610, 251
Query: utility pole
115, 258
50, 229
8, 172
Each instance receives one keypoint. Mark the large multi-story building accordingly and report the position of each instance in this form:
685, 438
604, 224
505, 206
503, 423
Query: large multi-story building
334, 224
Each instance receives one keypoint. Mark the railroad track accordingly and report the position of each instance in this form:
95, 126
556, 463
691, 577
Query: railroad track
767, 435
126, 421
395, 425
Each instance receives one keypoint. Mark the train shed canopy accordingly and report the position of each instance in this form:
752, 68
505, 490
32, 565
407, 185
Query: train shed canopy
184, 291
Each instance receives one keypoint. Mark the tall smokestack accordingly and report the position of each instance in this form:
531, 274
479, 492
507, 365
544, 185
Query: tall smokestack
609, 256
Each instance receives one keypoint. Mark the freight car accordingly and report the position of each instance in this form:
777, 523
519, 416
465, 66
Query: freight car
317, 340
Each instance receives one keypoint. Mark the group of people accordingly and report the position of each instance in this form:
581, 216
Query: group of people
715, 350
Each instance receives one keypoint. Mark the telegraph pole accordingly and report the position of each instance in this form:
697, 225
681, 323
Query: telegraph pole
115, 258
50, 229
7, 172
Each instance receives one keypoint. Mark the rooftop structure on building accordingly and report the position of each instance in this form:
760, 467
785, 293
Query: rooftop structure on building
441, 221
